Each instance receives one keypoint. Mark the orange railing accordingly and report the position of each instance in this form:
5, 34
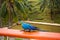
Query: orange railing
30, 35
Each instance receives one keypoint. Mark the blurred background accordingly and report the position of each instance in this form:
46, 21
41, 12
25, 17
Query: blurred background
11, 11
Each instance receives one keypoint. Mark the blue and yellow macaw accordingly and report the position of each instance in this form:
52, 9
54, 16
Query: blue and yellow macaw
28, 27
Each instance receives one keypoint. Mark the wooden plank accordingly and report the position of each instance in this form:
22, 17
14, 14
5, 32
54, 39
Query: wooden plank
44, 23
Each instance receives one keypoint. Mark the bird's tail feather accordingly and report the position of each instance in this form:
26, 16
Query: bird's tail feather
40, 29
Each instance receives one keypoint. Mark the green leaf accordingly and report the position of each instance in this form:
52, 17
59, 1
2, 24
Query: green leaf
19, 6
3, 11
27, 4
43, 5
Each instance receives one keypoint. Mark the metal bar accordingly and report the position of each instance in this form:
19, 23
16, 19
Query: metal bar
25, 39
1, 37
7, 38
11, 38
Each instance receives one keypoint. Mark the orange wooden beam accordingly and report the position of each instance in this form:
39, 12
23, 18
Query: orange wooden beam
32, 35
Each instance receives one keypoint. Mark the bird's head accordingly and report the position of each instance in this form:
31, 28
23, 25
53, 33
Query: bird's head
21, 22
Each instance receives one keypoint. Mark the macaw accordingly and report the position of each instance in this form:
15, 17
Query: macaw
28, 27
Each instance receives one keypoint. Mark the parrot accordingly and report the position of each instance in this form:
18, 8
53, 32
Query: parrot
29, 27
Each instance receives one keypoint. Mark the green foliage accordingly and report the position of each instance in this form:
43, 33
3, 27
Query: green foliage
9, 13
3, 11
43, 5
19, 6
24, 9
18, 39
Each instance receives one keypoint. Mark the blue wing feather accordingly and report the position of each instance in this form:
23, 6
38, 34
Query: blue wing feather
25, 26
28, 26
